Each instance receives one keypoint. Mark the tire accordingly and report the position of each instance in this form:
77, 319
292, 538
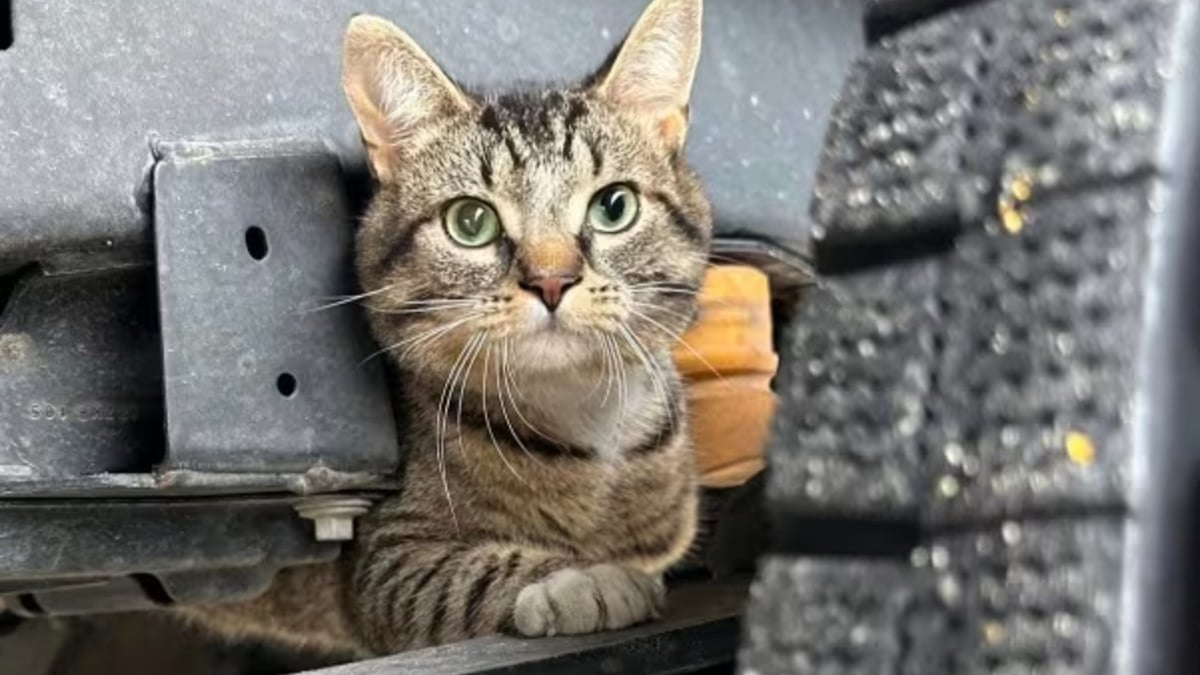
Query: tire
987, 458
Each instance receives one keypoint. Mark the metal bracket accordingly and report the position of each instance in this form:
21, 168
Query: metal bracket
116, 555
252, 239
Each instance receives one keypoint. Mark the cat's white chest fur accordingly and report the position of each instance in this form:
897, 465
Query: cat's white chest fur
598, 413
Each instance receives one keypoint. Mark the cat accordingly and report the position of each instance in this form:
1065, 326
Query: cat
528, 262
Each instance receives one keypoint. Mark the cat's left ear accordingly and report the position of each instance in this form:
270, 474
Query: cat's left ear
653, 70
395, 90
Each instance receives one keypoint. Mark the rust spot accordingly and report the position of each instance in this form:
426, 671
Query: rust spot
14, 348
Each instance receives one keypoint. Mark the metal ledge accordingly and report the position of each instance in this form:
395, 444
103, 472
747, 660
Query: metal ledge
700, 631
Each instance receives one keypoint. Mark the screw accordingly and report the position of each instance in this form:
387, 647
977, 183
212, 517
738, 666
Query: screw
332, 515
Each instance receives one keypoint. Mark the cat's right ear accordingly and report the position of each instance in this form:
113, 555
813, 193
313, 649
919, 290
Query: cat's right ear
395, 89
651, 74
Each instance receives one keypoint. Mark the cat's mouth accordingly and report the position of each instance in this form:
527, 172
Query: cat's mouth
556, 323
540, 320
554, 326
565, 325
554, 348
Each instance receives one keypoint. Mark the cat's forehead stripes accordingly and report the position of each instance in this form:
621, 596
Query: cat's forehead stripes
576, 109
538, 158
540, 126
499, 129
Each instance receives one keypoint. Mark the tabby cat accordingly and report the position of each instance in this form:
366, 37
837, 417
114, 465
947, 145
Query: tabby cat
529, 261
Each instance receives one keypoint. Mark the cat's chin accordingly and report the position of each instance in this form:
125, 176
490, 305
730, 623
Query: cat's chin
554, 349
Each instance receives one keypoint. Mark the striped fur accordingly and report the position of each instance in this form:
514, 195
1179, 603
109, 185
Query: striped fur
549, 478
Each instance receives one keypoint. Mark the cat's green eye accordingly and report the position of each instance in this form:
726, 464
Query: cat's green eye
472, 223
613, 209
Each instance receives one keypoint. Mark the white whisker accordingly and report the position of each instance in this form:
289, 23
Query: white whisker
421, 310
440, 301
488, 423
504, 410
657, 378
347, 299
680, 340
440, 332
609, 370
442, 425
462, 390
685, 318
622, 377
422, 338
511, 382
663, 285
598, 383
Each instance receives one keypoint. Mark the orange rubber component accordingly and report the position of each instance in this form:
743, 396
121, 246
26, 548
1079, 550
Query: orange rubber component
728, 360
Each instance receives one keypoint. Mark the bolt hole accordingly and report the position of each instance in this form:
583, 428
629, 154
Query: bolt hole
256, 243
30, 604
6, 24
153, 587
286, 384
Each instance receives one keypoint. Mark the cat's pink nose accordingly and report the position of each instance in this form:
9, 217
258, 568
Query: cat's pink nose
550, 289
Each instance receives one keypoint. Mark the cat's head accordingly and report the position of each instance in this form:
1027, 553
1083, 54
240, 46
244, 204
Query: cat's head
555, 223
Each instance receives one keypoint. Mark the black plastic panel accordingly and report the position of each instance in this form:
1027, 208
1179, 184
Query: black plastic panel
182, 551
80, 386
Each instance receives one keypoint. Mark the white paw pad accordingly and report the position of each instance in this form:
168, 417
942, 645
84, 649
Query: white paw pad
574, 601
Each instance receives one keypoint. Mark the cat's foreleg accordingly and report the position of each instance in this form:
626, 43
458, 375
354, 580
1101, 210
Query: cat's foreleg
420, 593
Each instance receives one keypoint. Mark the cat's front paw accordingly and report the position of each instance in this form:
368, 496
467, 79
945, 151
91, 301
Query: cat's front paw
573, 601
